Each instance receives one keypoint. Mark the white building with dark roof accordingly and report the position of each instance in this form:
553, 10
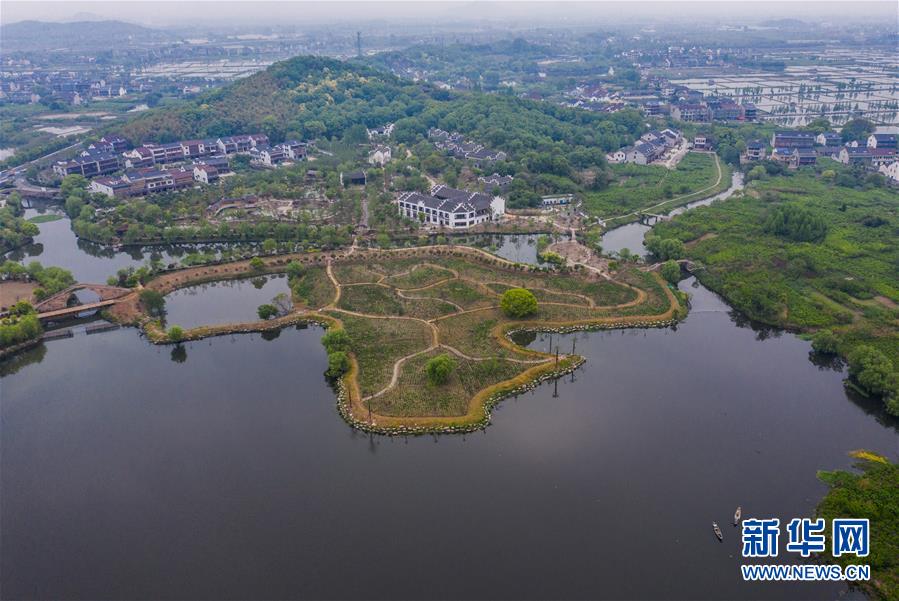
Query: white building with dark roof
451, 208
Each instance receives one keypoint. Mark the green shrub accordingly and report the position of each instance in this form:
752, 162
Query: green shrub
266, 311
439, 369
257, 264
796, 223
175, 333
295, 270
518, 302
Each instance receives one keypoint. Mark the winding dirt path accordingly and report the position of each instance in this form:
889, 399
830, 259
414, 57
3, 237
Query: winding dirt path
432, 323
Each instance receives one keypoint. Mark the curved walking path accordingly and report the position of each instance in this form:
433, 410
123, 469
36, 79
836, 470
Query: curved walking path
435, 344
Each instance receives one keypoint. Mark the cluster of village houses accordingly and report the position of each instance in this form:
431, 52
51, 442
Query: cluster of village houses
798, 149
651, 147
794, 148
154, 168
455, 144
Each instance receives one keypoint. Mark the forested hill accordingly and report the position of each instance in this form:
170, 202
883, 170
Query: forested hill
313, 97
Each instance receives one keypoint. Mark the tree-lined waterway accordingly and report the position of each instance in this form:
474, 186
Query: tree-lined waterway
221, 469
630, 236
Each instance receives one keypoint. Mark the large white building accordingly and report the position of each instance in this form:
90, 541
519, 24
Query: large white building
451, 208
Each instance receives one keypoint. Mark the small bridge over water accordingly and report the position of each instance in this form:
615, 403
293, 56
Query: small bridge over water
690, 266
57, 306
650, 218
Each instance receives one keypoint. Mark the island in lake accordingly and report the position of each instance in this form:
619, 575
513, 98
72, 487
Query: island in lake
422, 339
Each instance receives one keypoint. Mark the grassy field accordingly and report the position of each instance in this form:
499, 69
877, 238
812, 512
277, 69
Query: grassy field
378, 343
638, 187
472, 334
544, 295
355, 273
602, 292
314, 289
414, 395
380, 300
467, 295
418, 276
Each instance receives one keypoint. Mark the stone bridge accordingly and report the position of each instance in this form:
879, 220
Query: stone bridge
687, 264
60, 301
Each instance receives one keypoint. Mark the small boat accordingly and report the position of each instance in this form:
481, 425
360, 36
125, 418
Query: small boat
737, 515
717, 531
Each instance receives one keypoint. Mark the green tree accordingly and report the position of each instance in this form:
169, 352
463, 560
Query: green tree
825, 342
269, 245
176, 334
73, 185
153, 301
872, 370
856, 129
266, 311
73, 206
518, 302
336, 340
338, 364
665, 249
757, 172
439, 369
670, 270
295, 270
796, 223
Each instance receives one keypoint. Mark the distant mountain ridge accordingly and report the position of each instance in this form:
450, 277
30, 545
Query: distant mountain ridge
36, 35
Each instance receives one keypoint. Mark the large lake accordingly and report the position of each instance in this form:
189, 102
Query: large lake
220, 469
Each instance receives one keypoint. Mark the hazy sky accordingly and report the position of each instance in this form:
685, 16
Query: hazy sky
274, 12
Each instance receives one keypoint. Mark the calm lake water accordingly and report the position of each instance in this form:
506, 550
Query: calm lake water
220, 469
521, 248
222, 302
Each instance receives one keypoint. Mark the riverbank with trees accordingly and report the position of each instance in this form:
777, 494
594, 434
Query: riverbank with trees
814, 251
